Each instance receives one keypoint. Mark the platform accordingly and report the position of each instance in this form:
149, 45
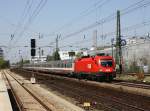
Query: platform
48, 98
5, 104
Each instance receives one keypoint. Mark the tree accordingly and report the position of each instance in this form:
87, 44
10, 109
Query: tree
79, 54
49, 58
26, 61
4, 63
56, 55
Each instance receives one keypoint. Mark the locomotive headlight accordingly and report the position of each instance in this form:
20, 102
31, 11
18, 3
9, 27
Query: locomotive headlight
107, 70
101, 70
99, 61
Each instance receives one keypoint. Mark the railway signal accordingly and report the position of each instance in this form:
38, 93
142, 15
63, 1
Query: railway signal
33, 51
33, 47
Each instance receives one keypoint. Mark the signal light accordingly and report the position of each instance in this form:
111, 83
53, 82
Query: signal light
33, 52
33, 43
33, 46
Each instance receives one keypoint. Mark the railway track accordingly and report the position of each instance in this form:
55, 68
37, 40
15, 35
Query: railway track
132, 84
126, 83
96, 98
99, 97
38, 101
49, 100
134, 74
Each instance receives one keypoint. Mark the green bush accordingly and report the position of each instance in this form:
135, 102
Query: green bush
134, 68
4, 63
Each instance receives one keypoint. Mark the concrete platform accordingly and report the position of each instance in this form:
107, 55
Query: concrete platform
25, 100
5, 104
54, 102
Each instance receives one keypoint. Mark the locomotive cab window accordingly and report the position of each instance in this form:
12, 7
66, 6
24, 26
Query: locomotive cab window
106, 63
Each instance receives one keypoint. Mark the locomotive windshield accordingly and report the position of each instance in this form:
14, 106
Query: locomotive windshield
106, 63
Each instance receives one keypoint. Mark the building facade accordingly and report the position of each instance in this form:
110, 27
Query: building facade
38, 59
64, 55
135, 54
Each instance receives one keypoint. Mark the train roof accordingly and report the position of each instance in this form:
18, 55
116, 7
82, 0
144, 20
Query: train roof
96, 56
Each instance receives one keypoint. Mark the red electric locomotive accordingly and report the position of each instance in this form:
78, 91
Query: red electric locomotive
97, 67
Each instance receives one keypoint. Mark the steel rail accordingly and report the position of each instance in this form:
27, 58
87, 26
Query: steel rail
115, 100
19, 103
32, 94
131, 84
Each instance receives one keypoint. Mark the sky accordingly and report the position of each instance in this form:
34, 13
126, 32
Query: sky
21, 20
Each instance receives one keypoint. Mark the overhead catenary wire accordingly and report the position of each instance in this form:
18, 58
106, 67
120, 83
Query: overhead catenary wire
31, 18
129, 28
37, 10
84, 13
22, 19
123, 12
23, 16
129, 9
109, 18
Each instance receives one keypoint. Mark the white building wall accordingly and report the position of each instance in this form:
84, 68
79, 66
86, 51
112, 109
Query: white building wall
38, 59
64, 55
